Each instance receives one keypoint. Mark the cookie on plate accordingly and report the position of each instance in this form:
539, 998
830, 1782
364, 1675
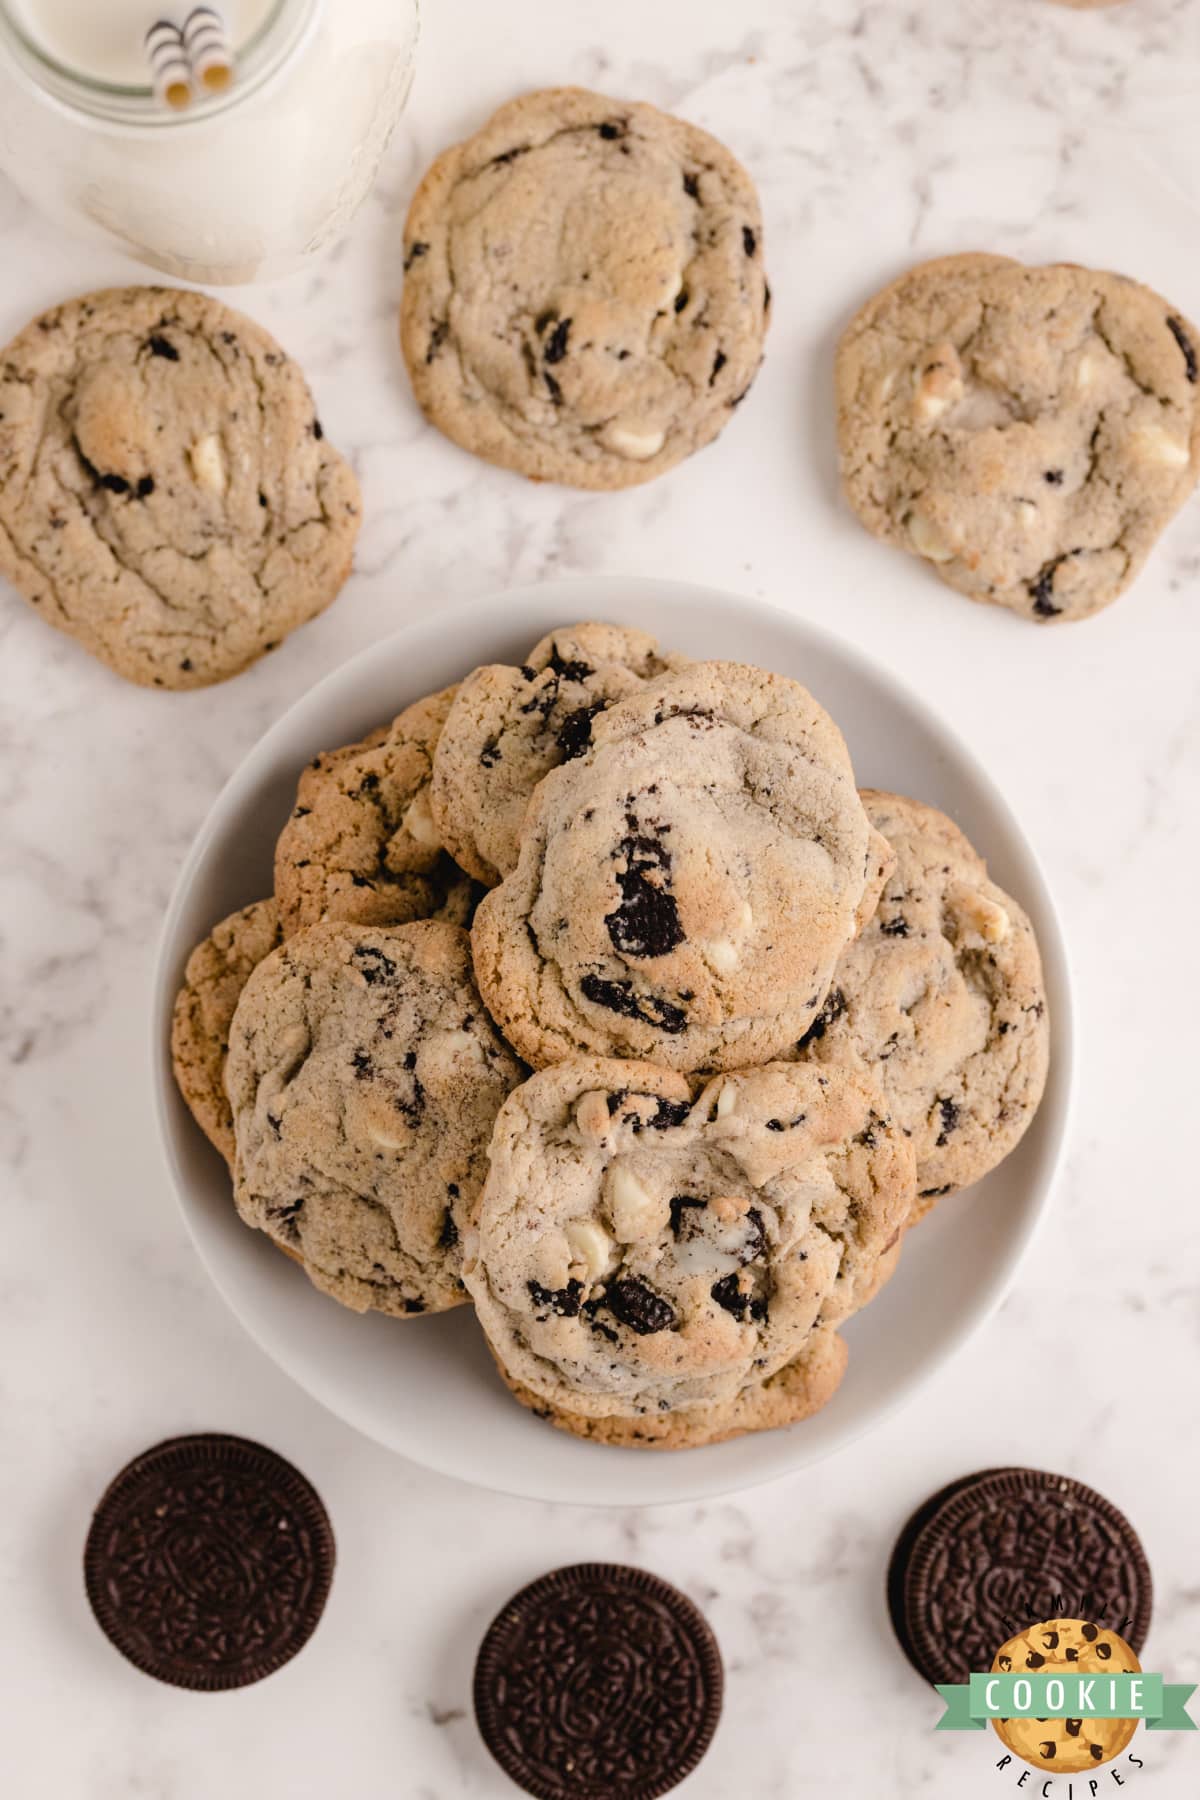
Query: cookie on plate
940, 1001
1028, 431
584, 293
685, 887
167, 496
510, 726
364, 1078
216, 972
648, 1257
361, 844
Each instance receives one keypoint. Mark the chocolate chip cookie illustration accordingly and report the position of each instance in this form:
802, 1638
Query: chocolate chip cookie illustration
167, 495
1027, 431
660, 1262
940, 1001
584, 292
685, 887
364, 1078
361, 844
1077, 1647
217, 971
510, 726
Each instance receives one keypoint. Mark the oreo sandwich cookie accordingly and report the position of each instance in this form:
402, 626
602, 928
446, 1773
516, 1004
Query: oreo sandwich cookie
997, 1552
598, 1682
209, 1561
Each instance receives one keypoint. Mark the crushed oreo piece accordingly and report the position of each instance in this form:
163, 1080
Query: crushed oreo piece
646, 923
634, 1304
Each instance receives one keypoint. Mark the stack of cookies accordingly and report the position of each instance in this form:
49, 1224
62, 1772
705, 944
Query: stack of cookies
594, 991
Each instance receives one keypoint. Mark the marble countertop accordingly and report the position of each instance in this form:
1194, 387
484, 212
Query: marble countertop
880, 132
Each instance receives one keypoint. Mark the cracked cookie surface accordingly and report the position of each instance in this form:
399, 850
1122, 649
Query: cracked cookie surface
940, 1001
167, 496
217, 970
510, 726
650, 1253
364, 1078
685, 888
361, 844
1027, 431
584, 293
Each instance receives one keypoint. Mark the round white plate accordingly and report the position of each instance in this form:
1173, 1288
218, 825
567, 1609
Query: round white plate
426, 1387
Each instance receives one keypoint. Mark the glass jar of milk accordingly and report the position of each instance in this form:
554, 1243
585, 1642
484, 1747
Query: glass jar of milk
244, 184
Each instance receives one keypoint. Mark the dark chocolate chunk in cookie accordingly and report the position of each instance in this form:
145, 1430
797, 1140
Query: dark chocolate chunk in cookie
209, 1561
619, 997
598, 1682
1175, 327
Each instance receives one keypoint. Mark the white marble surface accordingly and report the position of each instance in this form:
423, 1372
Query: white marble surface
880, 131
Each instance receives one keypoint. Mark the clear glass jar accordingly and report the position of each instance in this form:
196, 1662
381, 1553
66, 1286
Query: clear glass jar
244, 185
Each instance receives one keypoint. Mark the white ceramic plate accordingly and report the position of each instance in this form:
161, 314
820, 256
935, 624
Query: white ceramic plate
427, 1388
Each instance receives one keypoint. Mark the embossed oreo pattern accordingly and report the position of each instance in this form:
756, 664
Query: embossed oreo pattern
1006, 1550
209, 1561
600, 1682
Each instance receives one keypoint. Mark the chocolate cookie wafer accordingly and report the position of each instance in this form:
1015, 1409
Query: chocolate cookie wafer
995, 1552
209, 1561
598, 1682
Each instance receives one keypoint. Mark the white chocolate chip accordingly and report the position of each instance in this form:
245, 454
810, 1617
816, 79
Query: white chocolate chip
208, 464
1153, 444
726, 1100
448, 1047
978, 913
418, 820
722, 954
938, 383
635, 1213
637, 446
1086, 371
592, 1116
590, 1246
394, 1139
928, 541
699, 1256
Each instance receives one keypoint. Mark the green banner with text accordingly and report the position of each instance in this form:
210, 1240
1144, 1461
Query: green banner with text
1067, 1695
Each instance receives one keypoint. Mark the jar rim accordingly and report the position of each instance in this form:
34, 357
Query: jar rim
264, 53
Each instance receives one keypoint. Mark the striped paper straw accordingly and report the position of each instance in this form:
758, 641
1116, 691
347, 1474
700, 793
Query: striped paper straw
169, 71
206, 40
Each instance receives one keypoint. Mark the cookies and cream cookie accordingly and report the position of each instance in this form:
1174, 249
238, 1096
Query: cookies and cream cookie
940, 1001
802, 1387
364, 1078
584, 293
361, 844
167, 496
217, 970
646, 1247
1027, 431
510, 726
685, 887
